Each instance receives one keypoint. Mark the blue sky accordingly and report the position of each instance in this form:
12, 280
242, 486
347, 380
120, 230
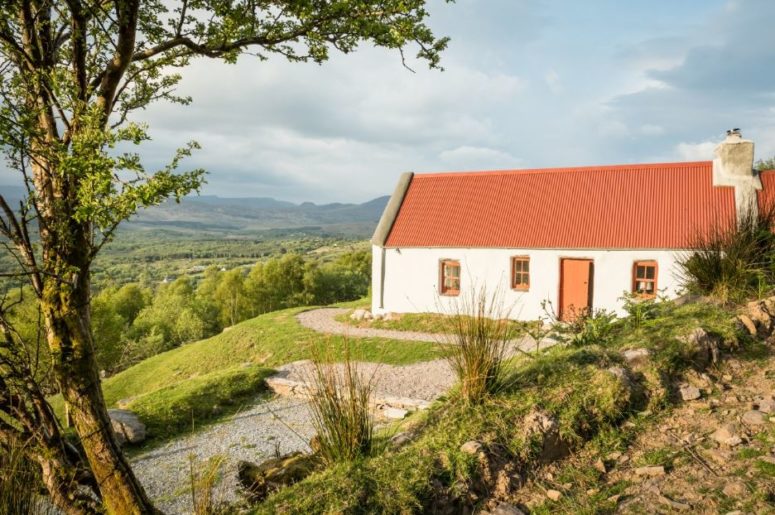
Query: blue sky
527, 84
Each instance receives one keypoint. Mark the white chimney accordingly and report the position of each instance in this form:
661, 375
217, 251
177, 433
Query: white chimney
733, 166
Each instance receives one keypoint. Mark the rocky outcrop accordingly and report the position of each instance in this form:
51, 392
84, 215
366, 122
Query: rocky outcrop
259, 481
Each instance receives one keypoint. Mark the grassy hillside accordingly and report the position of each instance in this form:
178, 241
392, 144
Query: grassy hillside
581, 390
205, 380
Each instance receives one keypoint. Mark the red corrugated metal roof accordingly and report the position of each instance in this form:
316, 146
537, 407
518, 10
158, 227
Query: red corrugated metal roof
626, 206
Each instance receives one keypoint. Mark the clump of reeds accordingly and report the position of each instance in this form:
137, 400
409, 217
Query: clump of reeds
340, 405
20, 485
479, 337
733, 263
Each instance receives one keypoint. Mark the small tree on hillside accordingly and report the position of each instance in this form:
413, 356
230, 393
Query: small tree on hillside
73, 71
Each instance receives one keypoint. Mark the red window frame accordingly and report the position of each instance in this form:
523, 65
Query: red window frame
448, 287
644, 278
520, 273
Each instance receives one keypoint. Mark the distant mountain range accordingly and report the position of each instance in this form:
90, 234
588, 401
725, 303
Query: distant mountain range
210, 213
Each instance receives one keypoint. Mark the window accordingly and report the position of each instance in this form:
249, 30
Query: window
520, 273
644, 278
450, 277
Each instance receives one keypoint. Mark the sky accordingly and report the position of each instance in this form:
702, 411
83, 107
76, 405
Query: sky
527, 84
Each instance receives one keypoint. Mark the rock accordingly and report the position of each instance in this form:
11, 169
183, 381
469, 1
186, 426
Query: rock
735, 489
600, 466
650, 471
745, 324
394, 413
718, 456
754, 418
727, 434
400, 439
766, 405
542, 425
127, 426
675, 505
635, 357
759, 312
378, 316
554, 495
768, 459
506, 509
690, 393
471, 447
360, 314
261, 480
706, 346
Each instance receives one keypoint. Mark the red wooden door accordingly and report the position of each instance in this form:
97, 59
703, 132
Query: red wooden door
575, 287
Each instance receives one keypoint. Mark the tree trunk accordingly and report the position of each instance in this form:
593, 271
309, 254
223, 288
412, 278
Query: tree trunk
67, 315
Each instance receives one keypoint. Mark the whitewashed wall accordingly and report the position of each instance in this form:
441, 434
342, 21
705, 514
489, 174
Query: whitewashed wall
411, 277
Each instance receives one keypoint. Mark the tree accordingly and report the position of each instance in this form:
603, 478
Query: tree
230, 294
73, 71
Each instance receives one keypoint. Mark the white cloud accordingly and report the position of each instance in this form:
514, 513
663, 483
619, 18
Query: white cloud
702, 151
552, 79
468, 158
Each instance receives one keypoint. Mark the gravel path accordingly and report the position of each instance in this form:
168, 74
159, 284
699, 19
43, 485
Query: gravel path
323, 320
253, 435
426, 381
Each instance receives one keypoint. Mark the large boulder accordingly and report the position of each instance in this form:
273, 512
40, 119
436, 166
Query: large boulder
126, 425
261, 480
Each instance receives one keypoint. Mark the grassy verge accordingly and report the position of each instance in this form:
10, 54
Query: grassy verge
580, 388
228, 368
419, 322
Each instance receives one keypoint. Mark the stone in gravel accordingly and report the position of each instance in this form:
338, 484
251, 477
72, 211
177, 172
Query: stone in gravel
768, 459
690, 393
650, 471
754, 418
718, 456
127, 426
600, 466
727, 434
506, 509
554, 495
635, 357
735, 489
394, 413
471, 447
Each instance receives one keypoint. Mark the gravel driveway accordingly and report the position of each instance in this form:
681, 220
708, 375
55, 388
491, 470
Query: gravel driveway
426, 381
254, 435
323, 320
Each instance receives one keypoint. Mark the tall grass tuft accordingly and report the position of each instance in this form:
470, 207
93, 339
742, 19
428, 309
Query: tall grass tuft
20, 485
733, 263
480, 335
340, 406
203, 478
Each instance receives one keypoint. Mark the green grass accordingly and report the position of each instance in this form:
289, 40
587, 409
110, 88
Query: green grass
229, 368
420, 322
572, 383
401, 481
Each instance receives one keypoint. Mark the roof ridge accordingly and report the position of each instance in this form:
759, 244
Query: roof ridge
568, 169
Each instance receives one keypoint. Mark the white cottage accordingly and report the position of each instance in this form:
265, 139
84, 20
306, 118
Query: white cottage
578, 237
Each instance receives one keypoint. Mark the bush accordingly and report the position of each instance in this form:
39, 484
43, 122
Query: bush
480, 333
733, 263
340, 409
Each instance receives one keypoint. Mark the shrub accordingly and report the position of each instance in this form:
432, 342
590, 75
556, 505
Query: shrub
640, 309
733, 263
340, 408
480, 334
